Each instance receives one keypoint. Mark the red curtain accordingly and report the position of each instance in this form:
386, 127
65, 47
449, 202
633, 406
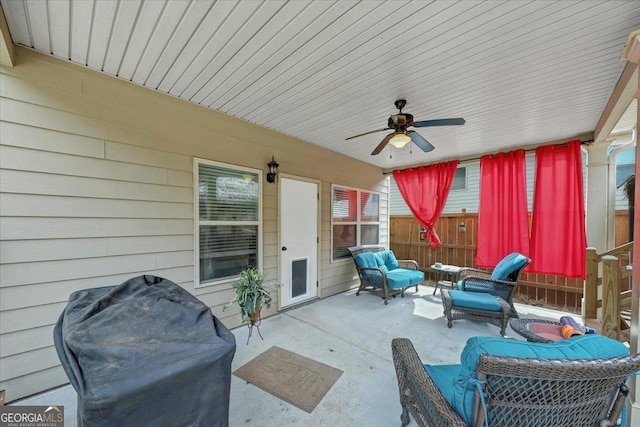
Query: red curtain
425, 190
502, 215
558, 236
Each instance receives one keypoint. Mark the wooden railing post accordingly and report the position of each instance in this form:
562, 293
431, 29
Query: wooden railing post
610, 296
590, 294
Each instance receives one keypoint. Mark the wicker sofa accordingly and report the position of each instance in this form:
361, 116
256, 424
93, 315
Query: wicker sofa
507, 382
381, 272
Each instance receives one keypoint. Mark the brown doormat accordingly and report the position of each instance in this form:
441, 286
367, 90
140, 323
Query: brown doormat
296, 379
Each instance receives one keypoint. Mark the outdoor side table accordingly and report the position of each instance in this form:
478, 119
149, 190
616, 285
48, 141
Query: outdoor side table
537, 330
446, 275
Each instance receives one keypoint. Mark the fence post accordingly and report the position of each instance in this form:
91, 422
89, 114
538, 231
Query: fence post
591, 285
610, 296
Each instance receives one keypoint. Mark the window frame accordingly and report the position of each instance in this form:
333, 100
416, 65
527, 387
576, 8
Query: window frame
465, 187
358, 222
197, 222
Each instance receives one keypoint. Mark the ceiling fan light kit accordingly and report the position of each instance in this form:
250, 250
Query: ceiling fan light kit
401, 136
399, 140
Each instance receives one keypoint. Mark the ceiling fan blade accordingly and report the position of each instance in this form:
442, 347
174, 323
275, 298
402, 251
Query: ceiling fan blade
440, 122
367, 133
383, 144
420, 141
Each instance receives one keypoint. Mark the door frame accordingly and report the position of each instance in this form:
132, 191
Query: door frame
318, 229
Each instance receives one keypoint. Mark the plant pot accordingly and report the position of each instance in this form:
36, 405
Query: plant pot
255, 316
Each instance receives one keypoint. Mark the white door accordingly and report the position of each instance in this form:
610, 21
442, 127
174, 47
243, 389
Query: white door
298, 240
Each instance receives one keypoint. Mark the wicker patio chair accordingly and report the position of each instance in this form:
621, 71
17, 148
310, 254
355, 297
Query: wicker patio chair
494, 292
387, 281
519, 392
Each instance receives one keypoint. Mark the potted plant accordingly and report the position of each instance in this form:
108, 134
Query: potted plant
251, 294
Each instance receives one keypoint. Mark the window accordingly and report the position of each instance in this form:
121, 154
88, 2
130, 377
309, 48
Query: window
460, 179
355, 220
228, 221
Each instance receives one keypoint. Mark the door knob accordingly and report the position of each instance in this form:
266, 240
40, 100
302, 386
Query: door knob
284, 248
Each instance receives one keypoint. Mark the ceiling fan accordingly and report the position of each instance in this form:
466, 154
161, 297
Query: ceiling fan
401, 136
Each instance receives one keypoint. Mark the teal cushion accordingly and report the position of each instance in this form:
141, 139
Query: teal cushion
415, 276
380, 262
590, 346
389, 259
459, 285
444, 377
366, 259
507, 265
477, 300
397, 279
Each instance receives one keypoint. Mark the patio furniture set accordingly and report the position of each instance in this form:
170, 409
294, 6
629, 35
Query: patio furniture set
547, 380
476, 294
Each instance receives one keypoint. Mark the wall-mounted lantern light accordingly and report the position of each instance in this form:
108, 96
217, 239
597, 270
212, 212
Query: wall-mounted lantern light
462, 228
273, 170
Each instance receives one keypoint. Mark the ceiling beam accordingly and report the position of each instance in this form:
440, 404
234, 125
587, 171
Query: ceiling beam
7, 53
631, 51
622, 95
625, 91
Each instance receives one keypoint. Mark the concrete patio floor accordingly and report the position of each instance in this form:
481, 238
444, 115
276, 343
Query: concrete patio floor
351, 333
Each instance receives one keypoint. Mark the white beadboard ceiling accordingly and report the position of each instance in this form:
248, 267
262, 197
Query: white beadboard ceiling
519, 72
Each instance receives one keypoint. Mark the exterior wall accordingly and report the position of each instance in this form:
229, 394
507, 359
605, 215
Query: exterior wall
468, 198
97, 187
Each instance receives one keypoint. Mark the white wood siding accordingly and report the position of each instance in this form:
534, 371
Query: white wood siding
458, 199
469, 197
96, 187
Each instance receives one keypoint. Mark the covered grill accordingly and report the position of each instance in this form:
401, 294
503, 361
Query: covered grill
145, 353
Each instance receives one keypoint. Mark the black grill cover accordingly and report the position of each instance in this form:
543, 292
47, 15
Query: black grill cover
145, 353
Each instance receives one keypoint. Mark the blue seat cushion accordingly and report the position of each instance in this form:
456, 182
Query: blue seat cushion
460, 390
397, 279
507, 265
366, 260
415, 276
476, 300
444, 377
370, 260
388, 259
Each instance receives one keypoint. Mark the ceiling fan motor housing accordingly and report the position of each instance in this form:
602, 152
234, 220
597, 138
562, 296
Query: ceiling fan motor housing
400, 122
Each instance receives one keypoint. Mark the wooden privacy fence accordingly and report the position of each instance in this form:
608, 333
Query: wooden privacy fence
458, 233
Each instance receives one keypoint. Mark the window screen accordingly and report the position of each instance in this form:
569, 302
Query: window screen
460, 179
228, 221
